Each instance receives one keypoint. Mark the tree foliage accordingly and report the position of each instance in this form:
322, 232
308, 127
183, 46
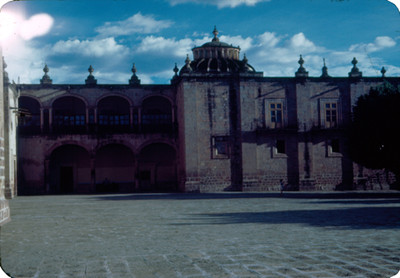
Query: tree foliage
375, 129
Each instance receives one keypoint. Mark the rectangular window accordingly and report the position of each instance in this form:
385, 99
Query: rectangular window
330, 114
335, 145
220, 147
274, 113
333, 148
280, 146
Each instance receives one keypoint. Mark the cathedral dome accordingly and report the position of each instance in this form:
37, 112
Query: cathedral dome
216, 57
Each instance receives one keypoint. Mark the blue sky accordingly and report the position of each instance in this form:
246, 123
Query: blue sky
110, 35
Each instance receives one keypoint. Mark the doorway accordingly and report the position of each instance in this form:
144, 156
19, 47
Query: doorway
66, 179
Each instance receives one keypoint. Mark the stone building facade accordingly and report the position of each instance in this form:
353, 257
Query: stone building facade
5, 135
220, 125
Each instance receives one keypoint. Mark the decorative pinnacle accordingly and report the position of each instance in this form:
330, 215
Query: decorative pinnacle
46, 78
301, 61
301, 72
90, 70
324, 70
383, 71
245, 59
354, 62
187, 61
134, 70
46, 69
176, 70
215, 32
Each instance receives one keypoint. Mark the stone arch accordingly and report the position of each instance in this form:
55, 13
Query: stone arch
59, 144
157, 168
69, 114
129, 100
69, 169
145, 98
29, 114
114, 168
84, 100
157, 114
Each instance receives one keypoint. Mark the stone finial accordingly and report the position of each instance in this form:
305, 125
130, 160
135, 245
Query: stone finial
355, 72
90, 80
187, 68
215, 32
301, 72
176, 70
324, 71
46, 78
383, 71
134, 79
245, 66
245, 59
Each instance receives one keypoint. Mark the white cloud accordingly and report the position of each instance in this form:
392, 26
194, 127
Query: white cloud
95, 47
219, 3
37, 25
379, 44
137, 23
14, 26
165, 46
300, 43
268, 39
244, 43
22, 58
179, 48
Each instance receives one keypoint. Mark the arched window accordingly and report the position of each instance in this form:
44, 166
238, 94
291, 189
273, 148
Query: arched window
113, 113
69, 115
29, 115
156, 114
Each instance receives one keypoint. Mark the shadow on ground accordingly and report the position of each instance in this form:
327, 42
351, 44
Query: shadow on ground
347, 218
389, 196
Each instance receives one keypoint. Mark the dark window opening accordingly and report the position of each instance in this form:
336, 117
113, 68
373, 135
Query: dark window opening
220, 147
280, 146
335, 146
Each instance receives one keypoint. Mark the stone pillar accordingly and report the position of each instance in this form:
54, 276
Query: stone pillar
41, 120
51, 119
95, 115
87, 119
131, 117
139, 118
173, 114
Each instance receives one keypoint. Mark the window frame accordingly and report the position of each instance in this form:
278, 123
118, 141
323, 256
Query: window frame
328, 112
270, 122
220, 139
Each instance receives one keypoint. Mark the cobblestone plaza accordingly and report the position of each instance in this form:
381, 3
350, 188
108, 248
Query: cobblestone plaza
204, 235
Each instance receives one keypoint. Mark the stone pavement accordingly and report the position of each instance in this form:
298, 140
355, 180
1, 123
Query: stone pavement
203, 235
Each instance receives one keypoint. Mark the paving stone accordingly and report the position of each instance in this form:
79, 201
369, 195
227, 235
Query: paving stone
207, 235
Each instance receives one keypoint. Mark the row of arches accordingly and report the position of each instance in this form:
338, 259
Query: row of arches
113, 168
110, 114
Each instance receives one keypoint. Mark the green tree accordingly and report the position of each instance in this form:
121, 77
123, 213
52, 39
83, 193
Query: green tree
374, 139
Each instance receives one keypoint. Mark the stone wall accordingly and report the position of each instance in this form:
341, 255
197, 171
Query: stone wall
4, 208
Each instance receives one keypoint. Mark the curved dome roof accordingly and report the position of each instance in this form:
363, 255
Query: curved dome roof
217, 57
